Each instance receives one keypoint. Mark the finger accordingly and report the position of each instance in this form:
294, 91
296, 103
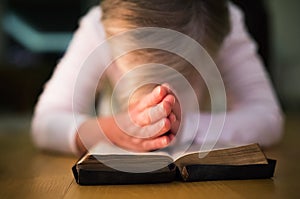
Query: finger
170, 98
145, 145
175, 127
171, 137
168, 87
157, 143
154, 130
153, 98
172, 118
156, 113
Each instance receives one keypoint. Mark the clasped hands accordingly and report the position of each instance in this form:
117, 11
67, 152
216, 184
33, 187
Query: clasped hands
151, 122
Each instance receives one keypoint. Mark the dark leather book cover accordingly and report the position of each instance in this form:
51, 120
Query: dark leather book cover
124, 169
192, 173
237, 163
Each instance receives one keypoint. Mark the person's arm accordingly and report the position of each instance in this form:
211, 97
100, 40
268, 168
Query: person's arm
63, 119
143, 129
53, 124
254, 115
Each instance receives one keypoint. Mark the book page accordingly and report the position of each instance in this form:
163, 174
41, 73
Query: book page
179, 150
174, 151
123, 160
107, 148
106, 156
241, 155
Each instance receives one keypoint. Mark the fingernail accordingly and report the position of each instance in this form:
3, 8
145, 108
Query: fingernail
173, 101
173, 117
165, 141
158, 90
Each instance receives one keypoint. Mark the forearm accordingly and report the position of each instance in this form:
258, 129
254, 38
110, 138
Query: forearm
97, 130
251, 124
105, 129
254, 115
91, 132
55, 131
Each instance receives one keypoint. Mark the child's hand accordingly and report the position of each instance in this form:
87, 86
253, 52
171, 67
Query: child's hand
154, 111
150, 120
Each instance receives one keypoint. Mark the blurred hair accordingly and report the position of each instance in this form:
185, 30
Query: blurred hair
205, 21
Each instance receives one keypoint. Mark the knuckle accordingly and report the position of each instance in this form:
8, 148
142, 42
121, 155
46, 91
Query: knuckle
136, 141
165, 124
166, 109
145, 146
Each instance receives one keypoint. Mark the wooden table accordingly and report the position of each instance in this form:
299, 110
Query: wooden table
26, 172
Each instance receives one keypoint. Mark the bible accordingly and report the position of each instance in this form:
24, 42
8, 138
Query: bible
233, 163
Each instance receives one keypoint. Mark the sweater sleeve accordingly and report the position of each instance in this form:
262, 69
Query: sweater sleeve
254, 115
54, 124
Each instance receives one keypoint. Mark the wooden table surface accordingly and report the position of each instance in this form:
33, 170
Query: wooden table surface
26, 172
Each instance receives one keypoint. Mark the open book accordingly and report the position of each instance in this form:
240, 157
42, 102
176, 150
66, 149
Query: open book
105, 165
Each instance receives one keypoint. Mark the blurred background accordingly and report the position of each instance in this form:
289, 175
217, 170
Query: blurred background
34, 35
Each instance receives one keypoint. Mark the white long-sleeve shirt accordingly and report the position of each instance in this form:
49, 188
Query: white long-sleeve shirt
255, 115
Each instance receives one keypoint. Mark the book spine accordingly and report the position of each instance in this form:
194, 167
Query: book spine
94, 177
230, 172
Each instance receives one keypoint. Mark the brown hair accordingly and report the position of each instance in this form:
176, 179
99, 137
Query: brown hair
206, 21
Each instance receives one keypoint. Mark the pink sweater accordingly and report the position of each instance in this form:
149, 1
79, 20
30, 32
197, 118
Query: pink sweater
255, 115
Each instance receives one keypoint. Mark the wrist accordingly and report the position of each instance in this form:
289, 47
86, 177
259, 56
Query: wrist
80, 146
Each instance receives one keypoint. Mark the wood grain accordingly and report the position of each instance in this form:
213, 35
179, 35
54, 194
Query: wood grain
28, 173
